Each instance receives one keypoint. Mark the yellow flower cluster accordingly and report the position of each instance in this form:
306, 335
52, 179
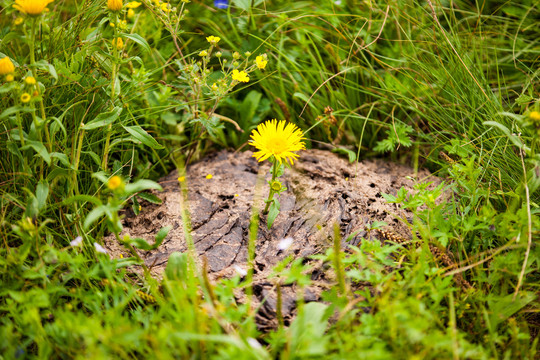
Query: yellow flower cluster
213, 39
118, 43
31, 7
241, 76
261, 62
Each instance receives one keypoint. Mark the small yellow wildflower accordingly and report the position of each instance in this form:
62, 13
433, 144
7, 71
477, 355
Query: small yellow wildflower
279, 139
535, 116
130, 13
186, 1
6, 66
31, 7
213, 39
118, 43
241, 76
165, 7
115, 5
115, 182
18, 21
214, 87
236, 195
25, 97
133, 4
30, 80
209, 176
10, 78
182, 179
261, 62
203, 53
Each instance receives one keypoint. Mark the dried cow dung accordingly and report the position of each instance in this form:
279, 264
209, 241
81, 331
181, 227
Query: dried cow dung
322, 190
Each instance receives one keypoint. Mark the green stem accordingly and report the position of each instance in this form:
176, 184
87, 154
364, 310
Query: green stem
113, 92
34, 74
272, 192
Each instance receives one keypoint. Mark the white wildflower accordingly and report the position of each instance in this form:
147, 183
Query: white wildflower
240, 271
77, 241
99, 248
286, 243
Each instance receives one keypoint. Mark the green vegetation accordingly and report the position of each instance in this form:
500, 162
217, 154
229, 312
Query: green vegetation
448, 85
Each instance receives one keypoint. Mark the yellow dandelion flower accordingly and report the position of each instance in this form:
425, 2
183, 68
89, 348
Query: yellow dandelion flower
118, 43
209, 176
18, 21
182, 179
6, 66
30, 80
133, 4
130, 13
241, 76
261, 62
25, 97
115, 5
213, 39
10, 78
115, 182
279, 139
203, 53
31, 7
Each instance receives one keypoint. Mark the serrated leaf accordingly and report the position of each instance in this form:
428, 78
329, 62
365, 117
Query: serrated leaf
141, 135
103, 119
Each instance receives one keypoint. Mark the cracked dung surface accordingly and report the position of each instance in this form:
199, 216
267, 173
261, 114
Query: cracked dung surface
322, 190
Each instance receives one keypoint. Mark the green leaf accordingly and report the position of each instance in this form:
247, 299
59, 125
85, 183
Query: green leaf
39, 148
177, 266
513, 138
44, 65
307, 331
141, 185
141, 135
138, 39
150, 198
144, 245
103, 119
273, 212
350, 153
42, 192
93, 216
15, 109
82, 199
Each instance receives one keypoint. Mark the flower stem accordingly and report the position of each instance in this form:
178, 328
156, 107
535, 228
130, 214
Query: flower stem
113, 91
272, 192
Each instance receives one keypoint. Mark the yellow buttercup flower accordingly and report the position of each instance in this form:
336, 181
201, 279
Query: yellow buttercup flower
261, 62
6, 66
118, 43
165, 7
115, 183
30, 80
133, 4
25, 97
279, 139
115, 5
203, 53
535, 116
241, 76
213, 39
31, 7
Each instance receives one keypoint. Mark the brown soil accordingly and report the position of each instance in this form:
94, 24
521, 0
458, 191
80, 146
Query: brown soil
323, 190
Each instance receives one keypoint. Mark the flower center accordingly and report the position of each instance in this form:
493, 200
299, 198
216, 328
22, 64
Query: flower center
277, 145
